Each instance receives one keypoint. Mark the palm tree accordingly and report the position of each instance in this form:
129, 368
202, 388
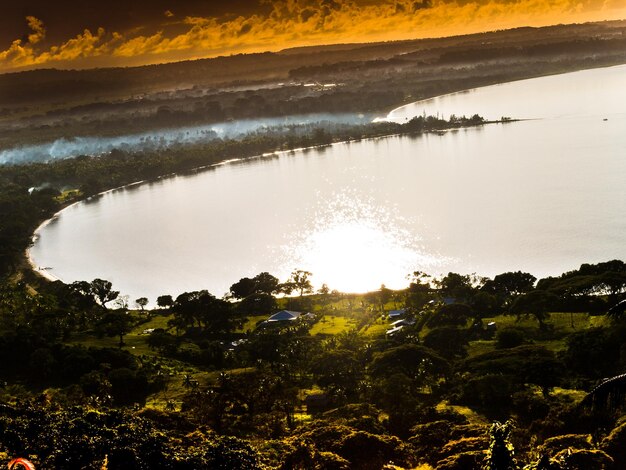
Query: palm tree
609, 395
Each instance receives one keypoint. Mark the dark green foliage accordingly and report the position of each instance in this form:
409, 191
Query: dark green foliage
457, 286
439, 441
615, 445
103, 291
490, 393
450, 315
165, 301
128, 386
584, 459
263, 283
361, 449
521, 365
554, 445
80, 438
256, 294
117, 323
163, 341
501, 454
595, 353
204, 310
510, 284
510, 338
338, 369
470, 460
304, 456
536, 303
607, 278
448, 341
414, 361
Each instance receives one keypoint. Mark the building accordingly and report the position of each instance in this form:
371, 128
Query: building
395, 314
284, 316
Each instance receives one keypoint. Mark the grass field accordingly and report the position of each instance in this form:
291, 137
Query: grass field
332, 325
135, 341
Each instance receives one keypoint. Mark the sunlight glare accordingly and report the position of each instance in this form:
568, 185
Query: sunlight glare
357, 247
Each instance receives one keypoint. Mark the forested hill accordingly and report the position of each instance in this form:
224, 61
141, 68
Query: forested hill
81, 85
453, 373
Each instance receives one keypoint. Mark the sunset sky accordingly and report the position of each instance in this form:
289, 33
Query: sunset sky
41, 33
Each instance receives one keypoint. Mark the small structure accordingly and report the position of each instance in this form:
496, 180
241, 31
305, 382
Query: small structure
394, 330
618, 309
395, 314
284, 316
235, 344
403, 322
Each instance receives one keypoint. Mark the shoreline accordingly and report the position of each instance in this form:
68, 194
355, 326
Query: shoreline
42, 272
467, 90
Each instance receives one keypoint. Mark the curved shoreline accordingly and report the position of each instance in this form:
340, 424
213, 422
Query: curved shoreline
467, 90
43, 273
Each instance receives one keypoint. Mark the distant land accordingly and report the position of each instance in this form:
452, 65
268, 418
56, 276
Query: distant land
44, 105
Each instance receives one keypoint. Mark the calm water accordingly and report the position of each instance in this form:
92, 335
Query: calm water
542, 195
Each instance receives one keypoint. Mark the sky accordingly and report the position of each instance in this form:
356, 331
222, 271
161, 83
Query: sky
72, 34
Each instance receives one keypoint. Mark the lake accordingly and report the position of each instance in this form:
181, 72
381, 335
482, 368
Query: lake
541, 195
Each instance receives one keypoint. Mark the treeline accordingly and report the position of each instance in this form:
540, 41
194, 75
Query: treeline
30, 193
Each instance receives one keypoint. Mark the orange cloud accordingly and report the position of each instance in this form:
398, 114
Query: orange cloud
38, 31
302, 22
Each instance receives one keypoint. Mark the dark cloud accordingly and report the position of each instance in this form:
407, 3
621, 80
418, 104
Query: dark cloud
65, 19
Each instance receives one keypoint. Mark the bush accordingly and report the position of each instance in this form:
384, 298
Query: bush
585, 459
467, 461
451, 315
554, 445
615, 445
509, 338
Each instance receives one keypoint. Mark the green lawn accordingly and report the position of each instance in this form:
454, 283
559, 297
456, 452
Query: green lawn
561, 321
251, 323
332, 325
135, 342
375, 329
476, 348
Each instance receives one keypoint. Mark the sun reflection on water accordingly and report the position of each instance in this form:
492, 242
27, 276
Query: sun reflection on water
355, 245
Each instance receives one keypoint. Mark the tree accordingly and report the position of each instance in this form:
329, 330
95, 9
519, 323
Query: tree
142, 302
263, 283
416, 362
609, 395
215, 314
299, 281
165, 301
419, 291
185, 309
103, 291
536, 303
448, 341
457, 286
452, 314
511, 283
117, 323
256, 294
384, 296
205, 309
